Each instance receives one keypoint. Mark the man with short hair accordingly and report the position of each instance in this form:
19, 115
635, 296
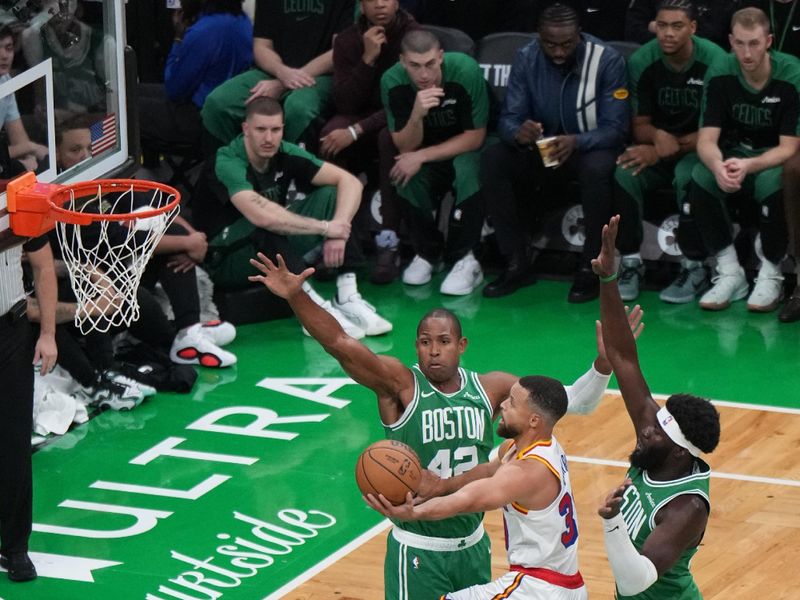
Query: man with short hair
749, 128
573, 87
362, 53
248, 209
653, 524
292, 49
529, 480
666, 84
713, 19
437, 108
424, 560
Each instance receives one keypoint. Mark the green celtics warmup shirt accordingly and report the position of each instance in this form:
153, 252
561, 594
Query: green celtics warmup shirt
451, 434
670, 98
752, 119
465, 104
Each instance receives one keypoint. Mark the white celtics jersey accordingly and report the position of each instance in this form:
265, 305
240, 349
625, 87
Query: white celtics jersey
543, 539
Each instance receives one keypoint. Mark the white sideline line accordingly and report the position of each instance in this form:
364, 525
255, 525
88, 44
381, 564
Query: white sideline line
764, 407
325, 563
715, 474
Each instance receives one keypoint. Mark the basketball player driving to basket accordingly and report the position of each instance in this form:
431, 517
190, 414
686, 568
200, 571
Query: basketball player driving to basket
445, 413
530, 482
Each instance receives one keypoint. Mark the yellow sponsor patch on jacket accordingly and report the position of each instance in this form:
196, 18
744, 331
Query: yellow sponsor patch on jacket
620, 94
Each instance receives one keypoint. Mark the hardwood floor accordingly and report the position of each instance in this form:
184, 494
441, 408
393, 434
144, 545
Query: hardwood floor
752, 544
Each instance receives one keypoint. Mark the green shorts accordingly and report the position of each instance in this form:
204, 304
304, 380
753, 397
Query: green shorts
410, 573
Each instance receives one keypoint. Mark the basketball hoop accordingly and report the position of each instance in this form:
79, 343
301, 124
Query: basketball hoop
107, 230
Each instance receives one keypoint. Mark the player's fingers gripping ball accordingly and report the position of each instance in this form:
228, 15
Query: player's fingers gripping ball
390, 468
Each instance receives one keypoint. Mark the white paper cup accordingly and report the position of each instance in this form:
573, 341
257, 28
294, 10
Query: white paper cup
547, 150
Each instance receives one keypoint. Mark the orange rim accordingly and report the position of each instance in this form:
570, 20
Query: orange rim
63, 193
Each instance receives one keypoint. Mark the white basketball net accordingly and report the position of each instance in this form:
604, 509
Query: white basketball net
106, 259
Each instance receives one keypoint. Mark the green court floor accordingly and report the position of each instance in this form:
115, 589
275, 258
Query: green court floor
235, 490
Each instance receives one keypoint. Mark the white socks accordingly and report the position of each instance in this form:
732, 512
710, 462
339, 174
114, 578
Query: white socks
727, 260
346, 286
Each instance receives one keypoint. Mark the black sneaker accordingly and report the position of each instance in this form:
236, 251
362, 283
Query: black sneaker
19, 566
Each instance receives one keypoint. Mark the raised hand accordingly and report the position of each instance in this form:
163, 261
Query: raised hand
603, 265
427, 99
374, 39
278, 279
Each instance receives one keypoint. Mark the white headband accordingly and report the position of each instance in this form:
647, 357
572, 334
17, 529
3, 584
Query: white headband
673, 431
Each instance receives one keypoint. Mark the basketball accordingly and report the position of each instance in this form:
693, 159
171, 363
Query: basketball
390, 468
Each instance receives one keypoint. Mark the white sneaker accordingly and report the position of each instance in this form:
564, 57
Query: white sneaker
418, 272
116, 377
115, 395
220, 333
463, 278
190, 347
767, 293
727, 288
360, 312
350, 328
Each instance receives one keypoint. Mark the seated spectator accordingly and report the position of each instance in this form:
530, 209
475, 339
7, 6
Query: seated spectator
361, 55
292, 47
246, 210
73, 141
748, 129
713, 19
666, 84
20, 147
213, 43
437, 108
572, 87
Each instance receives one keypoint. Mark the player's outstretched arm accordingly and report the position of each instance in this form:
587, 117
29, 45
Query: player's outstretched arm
679, 526
619, 341
386, 376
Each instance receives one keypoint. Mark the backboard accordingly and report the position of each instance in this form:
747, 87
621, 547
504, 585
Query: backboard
70, 64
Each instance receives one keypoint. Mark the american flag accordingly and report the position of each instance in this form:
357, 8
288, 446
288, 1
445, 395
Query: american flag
104, 134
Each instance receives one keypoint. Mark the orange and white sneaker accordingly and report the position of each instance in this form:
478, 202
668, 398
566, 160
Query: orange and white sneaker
191, 347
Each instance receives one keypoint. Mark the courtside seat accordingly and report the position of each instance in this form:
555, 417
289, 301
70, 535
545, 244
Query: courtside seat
453, 40
496, 53
624, 47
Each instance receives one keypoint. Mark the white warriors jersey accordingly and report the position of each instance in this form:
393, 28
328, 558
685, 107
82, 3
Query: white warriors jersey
547, 538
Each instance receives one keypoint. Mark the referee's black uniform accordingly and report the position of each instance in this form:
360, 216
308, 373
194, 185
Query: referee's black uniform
16, 403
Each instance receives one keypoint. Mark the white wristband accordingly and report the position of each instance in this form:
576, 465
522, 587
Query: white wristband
325, 231
633, 572
353, 132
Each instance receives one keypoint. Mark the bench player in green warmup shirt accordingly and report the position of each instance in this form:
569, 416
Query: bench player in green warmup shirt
749, 128
654, 522
666, 84
437, 109
445, 413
